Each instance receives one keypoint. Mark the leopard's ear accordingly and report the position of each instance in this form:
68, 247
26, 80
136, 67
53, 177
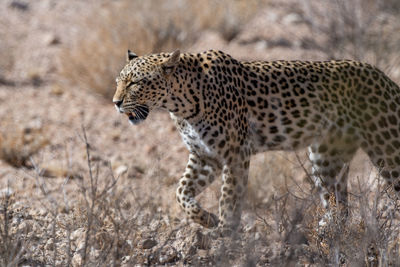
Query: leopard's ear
130, 55
169, 66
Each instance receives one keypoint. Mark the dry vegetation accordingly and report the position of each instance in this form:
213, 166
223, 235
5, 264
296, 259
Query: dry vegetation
361, 29
114, 28
19, 143
106, 215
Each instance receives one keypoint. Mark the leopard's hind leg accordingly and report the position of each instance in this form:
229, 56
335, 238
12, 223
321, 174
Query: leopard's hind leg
330, 160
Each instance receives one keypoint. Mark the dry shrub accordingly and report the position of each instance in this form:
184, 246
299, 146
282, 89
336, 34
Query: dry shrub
367, 237
292, 216
265, 176
364, 30
107, 224
9, 250
99, 227
276, 173
93, 61
18, 144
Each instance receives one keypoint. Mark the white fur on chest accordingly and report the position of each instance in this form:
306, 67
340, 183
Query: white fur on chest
192, 139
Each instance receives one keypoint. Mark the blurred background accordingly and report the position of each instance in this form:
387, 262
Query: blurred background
80, 186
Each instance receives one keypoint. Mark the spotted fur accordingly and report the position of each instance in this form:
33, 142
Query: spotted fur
227, 110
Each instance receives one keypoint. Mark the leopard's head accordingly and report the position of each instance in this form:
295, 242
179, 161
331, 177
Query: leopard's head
144, 83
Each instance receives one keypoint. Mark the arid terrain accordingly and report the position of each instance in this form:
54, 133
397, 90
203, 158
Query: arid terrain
80, 186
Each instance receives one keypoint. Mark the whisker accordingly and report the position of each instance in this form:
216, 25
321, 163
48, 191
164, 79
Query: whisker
139, 113
136, 114
143, 110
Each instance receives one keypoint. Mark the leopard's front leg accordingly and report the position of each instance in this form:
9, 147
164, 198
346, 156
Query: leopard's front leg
198, 174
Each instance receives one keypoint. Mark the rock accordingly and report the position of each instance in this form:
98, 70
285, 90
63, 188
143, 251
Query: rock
57, 90
76, 260
41, 212
121, 170
148, 243
261, 45
94, 253
135, 172
125, 261
25, 226
49, 244
292, 18
20, 5
50, 39
77, 234
282, 42
6, 192
78, 239
168, 255
154, 225
53, 170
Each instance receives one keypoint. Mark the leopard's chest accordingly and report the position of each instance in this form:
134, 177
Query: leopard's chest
193, 137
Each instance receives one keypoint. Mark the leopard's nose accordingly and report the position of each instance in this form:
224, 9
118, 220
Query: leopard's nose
118, 103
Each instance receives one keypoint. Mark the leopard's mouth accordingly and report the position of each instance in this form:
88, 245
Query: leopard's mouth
138, 115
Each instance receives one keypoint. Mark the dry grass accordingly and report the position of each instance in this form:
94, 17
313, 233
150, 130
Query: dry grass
98, 227
18, 144
11, 244
363, 30
93, 61
108, 223
290, 211
271, 171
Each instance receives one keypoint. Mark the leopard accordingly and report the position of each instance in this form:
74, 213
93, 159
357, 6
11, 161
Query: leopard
227, 110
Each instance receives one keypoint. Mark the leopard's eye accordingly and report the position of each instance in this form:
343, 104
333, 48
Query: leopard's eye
133, 82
